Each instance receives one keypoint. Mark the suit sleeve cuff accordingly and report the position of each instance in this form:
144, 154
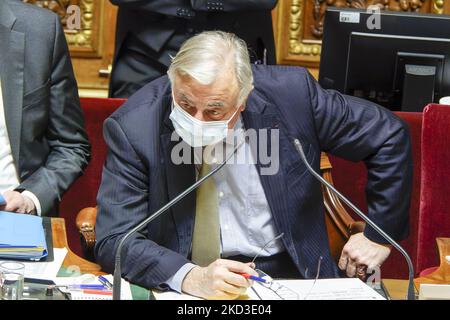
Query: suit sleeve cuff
176, 280
35, 200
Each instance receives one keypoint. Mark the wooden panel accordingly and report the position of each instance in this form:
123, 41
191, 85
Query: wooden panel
87, 69
298, 25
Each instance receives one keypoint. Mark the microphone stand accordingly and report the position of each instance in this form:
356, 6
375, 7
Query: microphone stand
410, 295
117, 268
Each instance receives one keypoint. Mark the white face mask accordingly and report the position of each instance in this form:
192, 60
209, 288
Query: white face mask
195, 132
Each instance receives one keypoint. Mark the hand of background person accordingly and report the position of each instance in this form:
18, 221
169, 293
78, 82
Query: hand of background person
17, 202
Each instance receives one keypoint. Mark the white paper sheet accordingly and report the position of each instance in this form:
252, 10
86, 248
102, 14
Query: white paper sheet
323, 289
45, 270
172, 295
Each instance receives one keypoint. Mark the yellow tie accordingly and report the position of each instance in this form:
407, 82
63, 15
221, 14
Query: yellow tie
206, 238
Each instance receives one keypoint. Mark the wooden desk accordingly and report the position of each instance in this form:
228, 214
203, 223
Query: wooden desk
60, 241
397, 288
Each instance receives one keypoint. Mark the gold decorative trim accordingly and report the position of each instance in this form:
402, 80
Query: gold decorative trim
437, 6
296, 45
83, 42
293, 48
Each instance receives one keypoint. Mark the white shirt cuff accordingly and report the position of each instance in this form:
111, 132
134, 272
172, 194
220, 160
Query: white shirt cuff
175, 282
35, 200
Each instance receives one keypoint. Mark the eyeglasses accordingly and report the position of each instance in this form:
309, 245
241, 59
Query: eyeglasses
315, 279
266, 245
281, 291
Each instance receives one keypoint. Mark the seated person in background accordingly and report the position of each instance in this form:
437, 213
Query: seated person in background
43, 143
150, 31
202, 244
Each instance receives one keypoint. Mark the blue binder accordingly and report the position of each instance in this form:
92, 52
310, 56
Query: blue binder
22, 237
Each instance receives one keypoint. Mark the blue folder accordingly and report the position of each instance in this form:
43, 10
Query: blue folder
22, 237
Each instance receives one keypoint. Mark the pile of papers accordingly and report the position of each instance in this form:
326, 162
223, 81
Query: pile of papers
322, 289
89, 279
22, 237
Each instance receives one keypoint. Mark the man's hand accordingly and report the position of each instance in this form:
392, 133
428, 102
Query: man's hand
219, 280
360, 252
16, 202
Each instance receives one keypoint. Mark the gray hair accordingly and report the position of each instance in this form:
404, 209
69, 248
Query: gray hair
205, 55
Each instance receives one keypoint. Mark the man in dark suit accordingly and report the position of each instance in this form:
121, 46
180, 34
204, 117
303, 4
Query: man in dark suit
149, 32
203, 244
44, 146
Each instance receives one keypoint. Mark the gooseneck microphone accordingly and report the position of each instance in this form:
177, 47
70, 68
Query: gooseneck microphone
410, 295
117, 268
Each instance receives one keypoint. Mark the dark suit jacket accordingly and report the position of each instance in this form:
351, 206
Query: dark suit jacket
151, 31
42, 111
139, 176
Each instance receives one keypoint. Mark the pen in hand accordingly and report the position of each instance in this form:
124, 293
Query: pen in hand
255, 278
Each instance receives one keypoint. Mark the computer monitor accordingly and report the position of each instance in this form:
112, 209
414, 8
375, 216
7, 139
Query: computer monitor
402, 61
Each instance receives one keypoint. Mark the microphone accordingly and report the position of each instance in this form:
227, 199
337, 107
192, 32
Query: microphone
410, 295
117, 268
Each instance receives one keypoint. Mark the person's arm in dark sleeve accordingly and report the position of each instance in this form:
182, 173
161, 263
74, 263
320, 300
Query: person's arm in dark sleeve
69, 146
233, 5
356, 130
122, 204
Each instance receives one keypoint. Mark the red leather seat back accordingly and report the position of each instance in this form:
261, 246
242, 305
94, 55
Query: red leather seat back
351, 178
83, 192
434, 219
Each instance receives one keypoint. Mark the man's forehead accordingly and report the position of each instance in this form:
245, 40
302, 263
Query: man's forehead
189, 88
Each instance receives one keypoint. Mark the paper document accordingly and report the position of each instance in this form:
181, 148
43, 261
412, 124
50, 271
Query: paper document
46, 270
323, 289
431, 291
87, 279
172, 295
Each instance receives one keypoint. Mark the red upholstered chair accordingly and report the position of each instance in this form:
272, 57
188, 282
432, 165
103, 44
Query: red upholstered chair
434, 218
350, 178
83, 192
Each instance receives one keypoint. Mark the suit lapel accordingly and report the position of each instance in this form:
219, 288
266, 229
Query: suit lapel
179, 177
12, 52
258, 115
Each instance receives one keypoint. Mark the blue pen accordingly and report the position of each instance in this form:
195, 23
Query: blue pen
2, 200
105, 282
248, 276
86, 286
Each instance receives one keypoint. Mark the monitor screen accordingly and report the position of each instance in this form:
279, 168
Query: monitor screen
402, 64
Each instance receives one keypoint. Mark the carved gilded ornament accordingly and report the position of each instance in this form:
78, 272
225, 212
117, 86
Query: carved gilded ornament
77, 38
312, 47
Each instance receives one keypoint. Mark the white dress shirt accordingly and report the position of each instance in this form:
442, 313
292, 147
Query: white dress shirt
9, 178
246, 222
